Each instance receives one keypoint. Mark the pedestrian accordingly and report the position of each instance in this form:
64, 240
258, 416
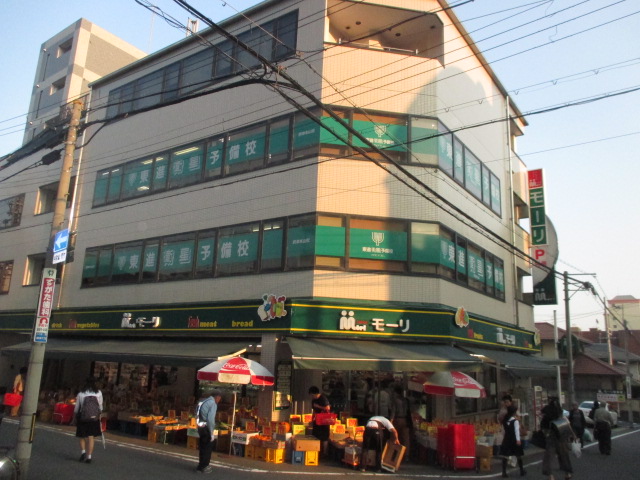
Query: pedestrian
87, 417
603, 420
206, 421
556, 443
320, 404
18, 388
376, 433
578, 422
506, 401
595, 407
401, 418
511, 442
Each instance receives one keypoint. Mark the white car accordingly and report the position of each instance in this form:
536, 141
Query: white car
586, 407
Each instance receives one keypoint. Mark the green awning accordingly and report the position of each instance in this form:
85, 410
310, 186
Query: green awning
518, 364
179, 352
347, 354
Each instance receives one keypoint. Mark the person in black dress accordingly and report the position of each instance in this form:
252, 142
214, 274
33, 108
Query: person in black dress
320, 404
555, 443
511, 443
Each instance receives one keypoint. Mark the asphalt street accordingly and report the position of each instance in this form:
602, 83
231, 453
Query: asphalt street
55, 456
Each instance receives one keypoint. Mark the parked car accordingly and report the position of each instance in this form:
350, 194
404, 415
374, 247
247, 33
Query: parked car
586, 407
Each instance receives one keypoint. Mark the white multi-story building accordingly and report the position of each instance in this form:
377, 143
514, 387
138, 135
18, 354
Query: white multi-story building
364, 218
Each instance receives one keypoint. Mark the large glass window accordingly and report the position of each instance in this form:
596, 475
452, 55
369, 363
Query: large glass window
458, 161
331, 241
205, 253
496, 201
148, 90
171, 82
160, 172
176, 257
137, 178
461, 260
498, 269
385, 132
425, 247
150, 256
377, 245
489, 274
473, 177
225, 63
301, 239
424, 142
215, 157
90, 267
272, 245
197, 71
475, 267
286, 30
306, 136
245, 150
103, 272
237, 250
127, 260
279, 141
6, 270
486, 186
258, 39
186, 166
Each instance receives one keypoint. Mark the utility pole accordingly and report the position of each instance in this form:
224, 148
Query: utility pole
557, 355
568, 340
47, 285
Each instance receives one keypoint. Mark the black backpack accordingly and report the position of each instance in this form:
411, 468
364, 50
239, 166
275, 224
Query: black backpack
90, 409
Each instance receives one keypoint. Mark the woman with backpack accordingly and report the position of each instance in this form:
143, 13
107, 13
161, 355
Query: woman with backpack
87, 415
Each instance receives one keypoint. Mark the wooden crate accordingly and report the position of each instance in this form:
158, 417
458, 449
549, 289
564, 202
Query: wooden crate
250, 451
260, 453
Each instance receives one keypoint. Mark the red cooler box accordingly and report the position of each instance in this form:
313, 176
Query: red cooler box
463, 446
63, 413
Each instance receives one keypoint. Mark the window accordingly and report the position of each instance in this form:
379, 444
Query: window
424, 142
301, 239
46, 201
176, 257
148, 90
498, 269
11, 211
137, 178
473, 177
458, 161
171, 82
425, 247
330, 247
475, 267
237, 250
245, 150
377, 245
215, 157
279, 141
272, 245
127, 260
197, 71
385, 132
150, 260
108, 184
225, 63
6, 269
205, 253
260, 41
64, 47
33, 272
461, 260
186, 166
57, 86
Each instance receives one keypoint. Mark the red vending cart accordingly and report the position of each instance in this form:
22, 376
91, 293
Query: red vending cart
462, 443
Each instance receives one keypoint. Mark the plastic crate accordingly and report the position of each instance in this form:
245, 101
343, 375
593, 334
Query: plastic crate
249, 451
275, 455
311, 458
192, 443
297, 458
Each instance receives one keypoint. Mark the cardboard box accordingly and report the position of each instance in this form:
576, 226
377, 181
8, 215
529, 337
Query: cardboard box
351, 422
485, 464
242, 438
307, 417
304, 443
295, 418
338, 428
298, 428
392, 456
484, 451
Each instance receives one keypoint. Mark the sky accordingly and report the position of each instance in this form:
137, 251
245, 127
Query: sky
549, 53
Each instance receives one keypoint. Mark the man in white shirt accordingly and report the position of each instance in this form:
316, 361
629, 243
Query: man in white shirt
375, 433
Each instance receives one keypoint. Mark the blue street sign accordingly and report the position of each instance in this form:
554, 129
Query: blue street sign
61, 241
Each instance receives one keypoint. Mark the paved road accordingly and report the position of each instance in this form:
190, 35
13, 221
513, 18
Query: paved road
56, 451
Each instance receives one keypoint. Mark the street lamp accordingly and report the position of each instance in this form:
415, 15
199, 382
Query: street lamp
628, 369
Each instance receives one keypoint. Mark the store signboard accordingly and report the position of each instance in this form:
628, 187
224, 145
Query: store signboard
537, 207
377, 244
45, 305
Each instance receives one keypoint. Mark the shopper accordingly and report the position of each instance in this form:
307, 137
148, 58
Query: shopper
18, 388
206, 421
87, 417
578, 422
556, 443
320, 404
401, 418
511, 443
603, 420
376, 433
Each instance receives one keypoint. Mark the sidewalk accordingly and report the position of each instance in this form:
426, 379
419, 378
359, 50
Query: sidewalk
326, 466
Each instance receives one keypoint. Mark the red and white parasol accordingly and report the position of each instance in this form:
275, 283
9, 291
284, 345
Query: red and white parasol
236, 370
454, 384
